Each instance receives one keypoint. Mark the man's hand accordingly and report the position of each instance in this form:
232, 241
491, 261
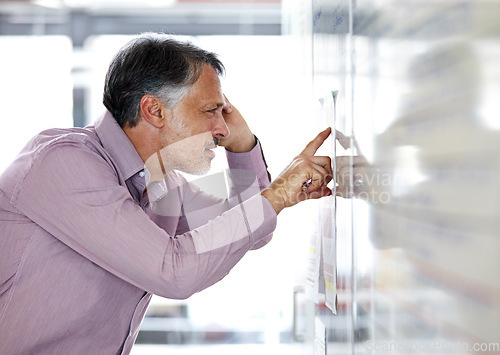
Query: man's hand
289, 188
240, 138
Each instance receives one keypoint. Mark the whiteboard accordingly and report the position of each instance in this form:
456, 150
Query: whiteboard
418, 253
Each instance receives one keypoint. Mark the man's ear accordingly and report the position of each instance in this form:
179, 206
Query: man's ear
152, 111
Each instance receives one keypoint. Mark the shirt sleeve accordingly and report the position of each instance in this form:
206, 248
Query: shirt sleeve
247, 176
73, 193
239, 164
253, 161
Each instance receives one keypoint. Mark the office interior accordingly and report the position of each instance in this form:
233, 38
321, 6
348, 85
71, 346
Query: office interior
411, 258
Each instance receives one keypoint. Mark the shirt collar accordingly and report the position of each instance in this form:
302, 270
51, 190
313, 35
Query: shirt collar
119, 146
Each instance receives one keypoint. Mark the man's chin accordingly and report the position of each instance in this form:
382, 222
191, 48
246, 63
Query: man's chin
201, 169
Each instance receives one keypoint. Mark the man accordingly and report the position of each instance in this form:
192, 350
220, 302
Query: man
95, 220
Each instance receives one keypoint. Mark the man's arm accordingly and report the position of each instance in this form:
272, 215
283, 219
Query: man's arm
199, 201
73, 193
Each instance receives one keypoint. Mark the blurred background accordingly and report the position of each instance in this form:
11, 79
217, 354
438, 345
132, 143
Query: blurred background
417, 85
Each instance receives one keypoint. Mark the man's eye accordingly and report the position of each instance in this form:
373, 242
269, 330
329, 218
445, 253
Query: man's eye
213, 111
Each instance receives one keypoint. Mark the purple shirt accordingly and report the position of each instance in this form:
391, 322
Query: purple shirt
82, 249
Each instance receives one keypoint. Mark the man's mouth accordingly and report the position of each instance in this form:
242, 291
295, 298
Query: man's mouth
209, 146
212, 144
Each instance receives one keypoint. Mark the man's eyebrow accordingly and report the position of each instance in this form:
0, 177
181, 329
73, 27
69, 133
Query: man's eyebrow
211, 105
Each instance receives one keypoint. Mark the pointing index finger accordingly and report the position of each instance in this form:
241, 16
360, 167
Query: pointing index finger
314, 145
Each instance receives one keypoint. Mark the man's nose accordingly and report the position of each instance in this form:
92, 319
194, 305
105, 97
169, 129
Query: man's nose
219, 126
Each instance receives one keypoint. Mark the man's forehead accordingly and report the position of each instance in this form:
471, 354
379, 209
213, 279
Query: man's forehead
207, 88
208, 93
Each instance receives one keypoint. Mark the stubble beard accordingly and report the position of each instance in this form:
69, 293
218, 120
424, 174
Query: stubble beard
188, 155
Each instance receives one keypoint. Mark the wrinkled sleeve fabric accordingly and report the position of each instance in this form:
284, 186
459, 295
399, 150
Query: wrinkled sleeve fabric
247, 176
80, 202
254, 161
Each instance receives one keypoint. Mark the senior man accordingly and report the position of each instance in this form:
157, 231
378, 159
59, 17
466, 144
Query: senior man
95, 220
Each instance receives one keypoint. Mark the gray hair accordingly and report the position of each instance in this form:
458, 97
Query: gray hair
154, 64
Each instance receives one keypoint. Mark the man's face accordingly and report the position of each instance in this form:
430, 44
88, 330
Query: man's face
195, 124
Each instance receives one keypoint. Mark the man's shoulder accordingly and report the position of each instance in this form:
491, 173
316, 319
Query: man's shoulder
59, 136
69, 140
52, 148
64, 144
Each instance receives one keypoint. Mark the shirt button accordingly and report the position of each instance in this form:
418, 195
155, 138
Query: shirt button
142, 173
